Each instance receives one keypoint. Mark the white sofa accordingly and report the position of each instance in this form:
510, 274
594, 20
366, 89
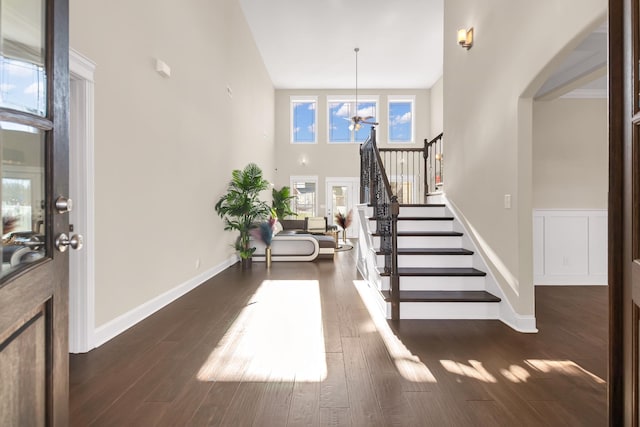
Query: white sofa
298, 240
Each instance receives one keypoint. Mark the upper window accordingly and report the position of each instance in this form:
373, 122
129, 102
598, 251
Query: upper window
401, 119
340, 112
303, 120
22, 56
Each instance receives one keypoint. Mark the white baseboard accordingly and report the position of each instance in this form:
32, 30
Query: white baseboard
121, 323
525, 324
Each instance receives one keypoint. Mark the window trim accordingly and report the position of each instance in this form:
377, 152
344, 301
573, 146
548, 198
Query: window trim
303, 98
350, 99
305, 178
402, 98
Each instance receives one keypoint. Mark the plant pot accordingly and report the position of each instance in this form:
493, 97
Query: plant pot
245, 263
267, 256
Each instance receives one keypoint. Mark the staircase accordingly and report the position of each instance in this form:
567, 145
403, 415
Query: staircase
437, 278
412, 255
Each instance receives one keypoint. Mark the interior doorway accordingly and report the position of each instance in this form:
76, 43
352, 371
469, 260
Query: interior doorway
81, 190
342, 195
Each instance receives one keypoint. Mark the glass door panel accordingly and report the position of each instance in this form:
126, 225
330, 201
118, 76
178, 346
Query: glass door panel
22, 195
341, 195
22, 56
339, 198
304, 202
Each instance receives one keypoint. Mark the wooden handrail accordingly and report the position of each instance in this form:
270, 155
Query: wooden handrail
413, 173
375, 190
433, 164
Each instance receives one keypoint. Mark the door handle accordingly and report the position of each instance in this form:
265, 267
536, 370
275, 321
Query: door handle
63, 242
64, 204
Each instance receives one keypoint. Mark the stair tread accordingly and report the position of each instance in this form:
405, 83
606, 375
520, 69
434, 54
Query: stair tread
418, 218
444, 296
430, 251
426, 234
437, 271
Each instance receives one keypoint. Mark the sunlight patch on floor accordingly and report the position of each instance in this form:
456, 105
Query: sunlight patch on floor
473, 370
278, 336
566, 367
515, 374
408, 364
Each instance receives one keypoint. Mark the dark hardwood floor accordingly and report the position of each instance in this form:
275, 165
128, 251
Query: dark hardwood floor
297, 346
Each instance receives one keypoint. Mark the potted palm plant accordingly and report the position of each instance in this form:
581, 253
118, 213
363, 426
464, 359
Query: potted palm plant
240, 207
281, 202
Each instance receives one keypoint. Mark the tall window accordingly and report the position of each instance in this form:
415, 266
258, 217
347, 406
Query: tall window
341, 110
304, 117
305, 192
401, 111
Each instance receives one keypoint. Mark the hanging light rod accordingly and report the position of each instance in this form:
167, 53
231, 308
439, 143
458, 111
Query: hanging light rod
356, 120
356, 50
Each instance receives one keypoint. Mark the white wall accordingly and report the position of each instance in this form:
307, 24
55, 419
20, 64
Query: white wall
335, 160
570, 184
570, 154
437, 108
488, 120
165, 148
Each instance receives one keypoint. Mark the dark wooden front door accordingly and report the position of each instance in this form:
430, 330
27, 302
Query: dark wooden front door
624, 211
34, 92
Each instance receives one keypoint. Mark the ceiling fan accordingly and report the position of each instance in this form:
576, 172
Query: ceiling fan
357, 121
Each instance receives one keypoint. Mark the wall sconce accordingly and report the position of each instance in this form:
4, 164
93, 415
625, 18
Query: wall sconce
303, 161
465, 38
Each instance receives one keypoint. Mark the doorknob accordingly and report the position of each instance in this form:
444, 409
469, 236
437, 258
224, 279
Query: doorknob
63, 204
63, 242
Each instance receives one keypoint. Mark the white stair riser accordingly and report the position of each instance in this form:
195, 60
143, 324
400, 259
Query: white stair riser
429, 241
425, 225
437, 199
447, 310
431, 261
418, 226
424, 241
422, 211
436, 283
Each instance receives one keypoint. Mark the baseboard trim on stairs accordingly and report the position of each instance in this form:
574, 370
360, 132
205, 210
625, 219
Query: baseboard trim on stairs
524, 324
115, 327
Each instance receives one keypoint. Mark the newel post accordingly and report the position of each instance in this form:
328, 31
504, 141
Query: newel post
425, 155
395, 278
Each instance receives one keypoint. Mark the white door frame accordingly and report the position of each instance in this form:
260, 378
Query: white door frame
354, 193
81, 189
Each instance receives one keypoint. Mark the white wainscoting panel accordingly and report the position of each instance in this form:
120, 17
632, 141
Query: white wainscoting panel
569, 247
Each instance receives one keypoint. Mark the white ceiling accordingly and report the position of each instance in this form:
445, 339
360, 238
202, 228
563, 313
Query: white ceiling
308, 44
